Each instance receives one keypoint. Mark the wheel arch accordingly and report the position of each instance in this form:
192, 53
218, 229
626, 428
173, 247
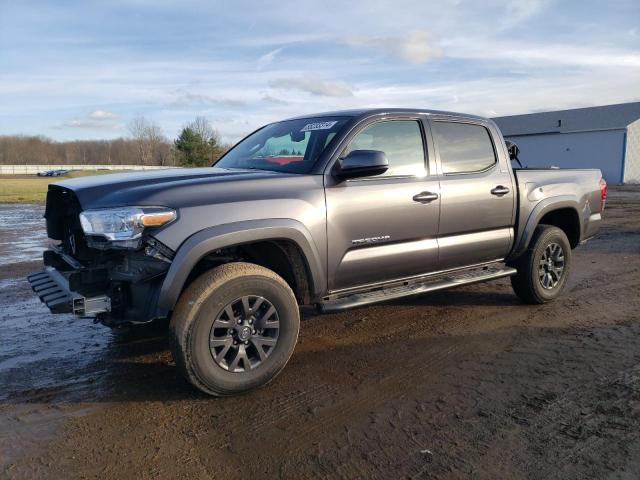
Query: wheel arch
282, 245
567, 220
561, 212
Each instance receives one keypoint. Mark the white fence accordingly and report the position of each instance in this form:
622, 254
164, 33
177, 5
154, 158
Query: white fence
34, 169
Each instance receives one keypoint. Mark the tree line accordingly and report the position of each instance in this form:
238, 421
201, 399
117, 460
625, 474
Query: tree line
198, 144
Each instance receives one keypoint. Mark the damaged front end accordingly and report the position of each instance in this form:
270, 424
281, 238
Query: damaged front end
109, 267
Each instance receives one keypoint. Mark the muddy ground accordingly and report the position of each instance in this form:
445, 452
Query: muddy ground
460, 384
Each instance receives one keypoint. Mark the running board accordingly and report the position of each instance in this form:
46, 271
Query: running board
416, 286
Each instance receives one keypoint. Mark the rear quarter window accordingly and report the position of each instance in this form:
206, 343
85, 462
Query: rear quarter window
463, 147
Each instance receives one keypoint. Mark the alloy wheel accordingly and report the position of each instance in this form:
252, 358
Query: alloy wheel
244, 333
551, 266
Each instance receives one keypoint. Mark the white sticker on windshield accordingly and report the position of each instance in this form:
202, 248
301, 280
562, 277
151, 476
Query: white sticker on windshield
318, 126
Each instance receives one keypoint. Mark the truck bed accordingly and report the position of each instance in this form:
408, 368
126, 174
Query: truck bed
579, 190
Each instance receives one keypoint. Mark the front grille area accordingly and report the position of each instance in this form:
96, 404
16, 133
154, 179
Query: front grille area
115, 285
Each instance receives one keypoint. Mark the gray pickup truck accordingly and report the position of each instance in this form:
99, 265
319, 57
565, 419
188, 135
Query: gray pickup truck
335, 210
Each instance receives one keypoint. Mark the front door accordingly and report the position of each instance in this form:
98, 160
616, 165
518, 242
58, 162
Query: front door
377, 231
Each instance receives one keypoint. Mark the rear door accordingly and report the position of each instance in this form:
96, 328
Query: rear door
477, 194
376, 230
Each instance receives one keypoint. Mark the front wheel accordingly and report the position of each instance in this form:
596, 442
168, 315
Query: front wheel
234, 328
544, 268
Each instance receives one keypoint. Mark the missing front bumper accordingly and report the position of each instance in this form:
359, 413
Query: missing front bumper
52, 287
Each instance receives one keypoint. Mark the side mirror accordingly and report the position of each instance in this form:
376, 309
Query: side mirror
361, 163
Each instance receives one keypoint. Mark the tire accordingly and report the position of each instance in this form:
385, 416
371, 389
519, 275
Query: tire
201, 328
534, 283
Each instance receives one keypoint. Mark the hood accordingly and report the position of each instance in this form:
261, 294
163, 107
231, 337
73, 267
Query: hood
173, 187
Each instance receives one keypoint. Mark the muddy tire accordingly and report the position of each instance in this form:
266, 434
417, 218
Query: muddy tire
234, 328
544, 268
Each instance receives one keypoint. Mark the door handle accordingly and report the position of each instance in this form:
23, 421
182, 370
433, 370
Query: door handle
500, 191
425, 197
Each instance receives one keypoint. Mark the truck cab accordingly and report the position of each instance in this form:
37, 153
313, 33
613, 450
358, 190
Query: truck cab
447, 200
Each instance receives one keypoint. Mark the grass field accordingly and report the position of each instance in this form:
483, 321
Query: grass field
33, 189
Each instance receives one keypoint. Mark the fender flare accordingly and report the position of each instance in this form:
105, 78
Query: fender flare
545, 206
200, 244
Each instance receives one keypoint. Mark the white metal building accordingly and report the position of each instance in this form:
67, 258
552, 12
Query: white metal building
606, 137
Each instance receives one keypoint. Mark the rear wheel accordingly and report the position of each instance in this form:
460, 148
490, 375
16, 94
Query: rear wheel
544, 268
234, 328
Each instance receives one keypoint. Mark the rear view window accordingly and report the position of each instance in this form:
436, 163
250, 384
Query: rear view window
463, 147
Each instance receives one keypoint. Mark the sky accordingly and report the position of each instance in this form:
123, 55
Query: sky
85, 69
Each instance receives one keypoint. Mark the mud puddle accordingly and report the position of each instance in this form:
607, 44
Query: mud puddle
22, 236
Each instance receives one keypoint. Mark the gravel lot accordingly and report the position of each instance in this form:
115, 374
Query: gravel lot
466, 383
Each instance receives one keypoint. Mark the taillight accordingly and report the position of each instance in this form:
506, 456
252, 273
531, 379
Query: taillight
603, 193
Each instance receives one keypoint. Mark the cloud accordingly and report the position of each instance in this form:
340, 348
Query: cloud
520, 54
271, 99
183, 98
518, 11
543, 55
509, 95
416, 47
89, 124
314, 86
267, 58
96, 120
102, 115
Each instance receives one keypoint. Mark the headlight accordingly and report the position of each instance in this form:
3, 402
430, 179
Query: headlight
124, 224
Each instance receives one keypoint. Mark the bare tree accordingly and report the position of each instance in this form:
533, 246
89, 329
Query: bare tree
23, 150
202, 127
149, 138
145, 145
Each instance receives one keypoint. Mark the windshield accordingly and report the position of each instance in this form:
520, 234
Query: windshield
291, 146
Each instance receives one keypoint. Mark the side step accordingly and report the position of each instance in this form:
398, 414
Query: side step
417, 286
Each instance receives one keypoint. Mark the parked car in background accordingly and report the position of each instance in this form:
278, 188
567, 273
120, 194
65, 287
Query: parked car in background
53, 173
338, 210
